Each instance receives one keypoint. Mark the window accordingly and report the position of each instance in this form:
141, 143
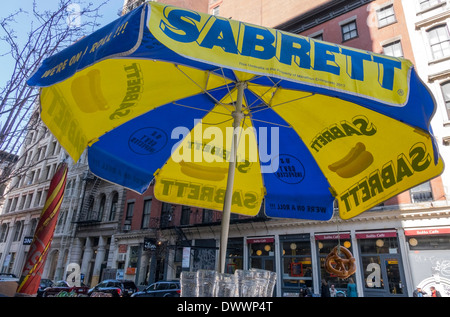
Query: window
421, 193
38, 198
235, 254
146, 214
166, 214
9, 262
324, 247
215, 10
425, 4
349, 31
429, 242
393, 49
185, 215
4, 232
91, 208
130, 209
446, 94
207, 216
101, 208
386, 16
439, 40
296, 263
112, 212
319, 37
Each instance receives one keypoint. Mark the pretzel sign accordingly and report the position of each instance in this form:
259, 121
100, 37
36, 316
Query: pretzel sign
341, 267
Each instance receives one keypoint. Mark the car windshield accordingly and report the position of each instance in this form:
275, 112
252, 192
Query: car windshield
152, 287
61, 284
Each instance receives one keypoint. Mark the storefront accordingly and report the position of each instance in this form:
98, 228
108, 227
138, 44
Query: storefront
296, 264
325, 242
262, 253
390, 262
429, 257
381, 264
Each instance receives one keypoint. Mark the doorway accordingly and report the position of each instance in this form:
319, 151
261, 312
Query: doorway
383, 276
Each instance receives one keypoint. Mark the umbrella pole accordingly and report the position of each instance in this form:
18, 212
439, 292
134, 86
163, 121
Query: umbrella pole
238, 116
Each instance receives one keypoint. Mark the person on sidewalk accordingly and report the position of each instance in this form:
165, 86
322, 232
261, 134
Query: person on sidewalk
419, 292
435, 292
325, 291
351, 288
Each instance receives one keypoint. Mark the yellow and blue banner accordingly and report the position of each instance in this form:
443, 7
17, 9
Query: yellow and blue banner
152, 96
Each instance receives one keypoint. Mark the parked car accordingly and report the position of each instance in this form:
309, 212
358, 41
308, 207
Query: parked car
45, 283
116, 288
8, 277
63, 286
161, 289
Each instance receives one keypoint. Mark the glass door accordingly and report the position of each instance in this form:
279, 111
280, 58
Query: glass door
383, 275
394, 275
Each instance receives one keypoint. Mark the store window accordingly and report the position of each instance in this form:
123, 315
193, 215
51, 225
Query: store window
381, 265
325, 244
235, 252
133, 260
262, 253
429, 258
296, 264
432, 242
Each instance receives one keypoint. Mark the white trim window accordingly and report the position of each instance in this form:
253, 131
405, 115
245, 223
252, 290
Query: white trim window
393, 49
439, 39
445, 88
421, 193
386, 15
426, 4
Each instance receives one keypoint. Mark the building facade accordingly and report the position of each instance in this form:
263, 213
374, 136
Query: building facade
110, 232
88, 215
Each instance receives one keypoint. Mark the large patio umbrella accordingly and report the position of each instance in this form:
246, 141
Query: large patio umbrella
225, 115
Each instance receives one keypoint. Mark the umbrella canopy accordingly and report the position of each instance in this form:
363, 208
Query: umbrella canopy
196, 102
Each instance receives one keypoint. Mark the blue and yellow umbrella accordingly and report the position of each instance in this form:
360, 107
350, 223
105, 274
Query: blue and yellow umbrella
227, 115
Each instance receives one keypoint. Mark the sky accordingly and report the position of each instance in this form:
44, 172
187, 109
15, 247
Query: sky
109, 12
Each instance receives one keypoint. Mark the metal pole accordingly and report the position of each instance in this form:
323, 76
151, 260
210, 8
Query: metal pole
237, 116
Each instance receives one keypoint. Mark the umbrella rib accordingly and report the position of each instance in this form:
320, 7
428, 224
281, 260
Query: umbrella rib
203, 89
273, 123
275, 85
228, 87
200, 109
280, 104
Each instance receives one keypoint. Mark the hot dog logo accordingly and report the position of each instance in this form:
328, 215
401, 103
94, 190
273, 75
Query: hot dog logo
357, 160
87, 92
203, 172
